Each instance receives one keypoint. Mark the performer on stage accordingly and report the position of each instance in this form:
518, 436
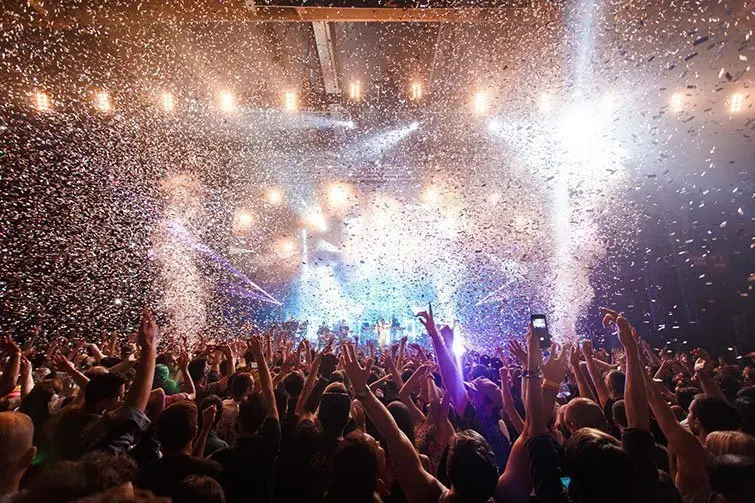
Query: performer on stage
383, 332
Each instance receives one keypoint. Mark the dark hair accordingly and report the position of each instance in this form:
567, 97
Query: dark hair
598, 466
294, 383
733, 476
715, 414
746, 407
103, 386
471, 467
252, 412
333, 412
198, 489
746, 392
403, 418
197, 369
619, 412
241, 383
207, 402
616, 382
225, 368
177, 425
249, 356
684, 397
353, 471
281, 400
36, 405
478, 370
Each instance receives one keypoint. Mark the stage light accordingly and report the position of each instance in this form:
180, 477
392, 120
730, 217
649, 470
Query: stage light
285, 247
546, 102
167, 102
41, 101
415, 91
355, 91
226, 101
431, 195
481, 103
290, 101
243, 221
608, 103
316, 220
677, 102
350, 124
102, 101
274, 196
736, 102
414, 126
338, 195
494, 125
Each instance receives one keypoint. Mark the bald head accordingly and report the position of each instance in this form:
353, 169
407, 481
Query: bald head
584, 413
16, 436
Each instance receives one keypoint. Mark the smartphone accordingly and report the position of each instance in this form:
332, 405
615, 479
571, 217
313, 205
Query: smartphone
540, 324
565, 481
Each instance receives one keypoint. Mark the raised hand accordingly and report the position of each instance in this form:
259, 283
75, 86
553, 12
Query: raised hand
357, 374
208, 416
575, 357
147, 336
516, 349
62, 363
555, 368
587, 349
9, 347
358, 415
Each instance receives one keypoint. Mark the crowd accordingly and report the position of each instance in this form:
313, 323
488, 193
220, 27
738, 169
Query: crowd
262, 419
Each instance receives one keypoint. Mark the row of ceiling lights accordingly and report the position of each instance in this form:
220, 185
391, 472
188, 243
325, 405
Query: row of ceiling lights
735, 102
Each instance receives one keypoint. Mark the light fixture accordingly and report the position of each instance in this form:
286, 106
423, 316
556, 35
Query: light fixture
41, 101
415, 91
480, 103
167, 102
226, 101
102, 101
290, 101
677, 102
355, 91
736, 102
274, 196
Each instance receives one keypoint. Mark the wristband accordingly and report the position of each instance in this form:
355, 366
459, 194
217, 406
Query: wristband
551, 385
531, 374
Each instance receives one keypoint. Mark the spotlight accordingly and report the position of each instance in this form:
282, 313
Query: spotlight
481, 103
290, 101
677, 102
495, 125
274, 196
226, 101
415, 91
41, 101
316, 220
338, 195
350, 124
736, 102
167, 102
102, 101
285, 247
244, 221
355, 91
431, 195
546, 102
414, 126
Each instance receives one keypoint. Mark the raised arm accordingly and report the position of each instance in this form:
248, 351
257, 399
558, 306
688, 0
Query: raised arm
691, 472
147, 339
704, 373
255, 344
418, 485
188, 383
508, 401
585, 391
12, 367
449, 371
595, 374
405, 393
309, 385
